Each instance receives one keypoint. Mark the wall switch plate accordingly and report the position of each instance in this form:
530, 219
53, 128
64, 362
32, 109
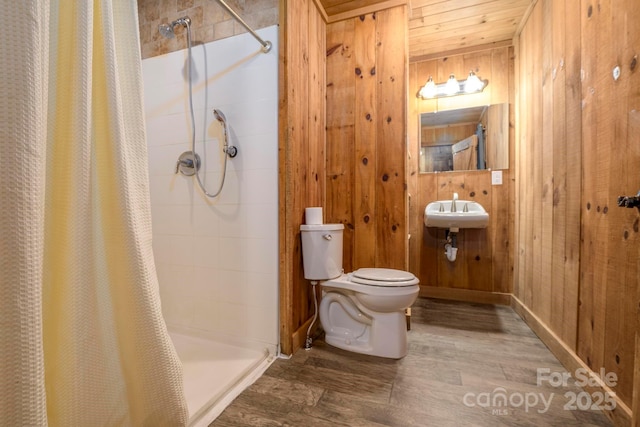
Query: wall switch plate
496, 177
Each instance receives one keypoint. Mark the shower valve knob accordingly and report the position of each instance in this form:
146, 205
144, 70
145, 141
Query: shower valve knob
188, 163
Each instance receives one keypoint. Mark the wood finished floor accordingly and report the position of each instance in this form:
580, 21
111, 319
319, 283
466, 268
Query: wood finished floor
455, 349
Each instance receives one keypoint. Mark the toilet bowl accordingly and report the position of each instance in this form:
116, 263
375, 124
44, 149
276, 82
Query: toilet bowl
365, 313
362, 311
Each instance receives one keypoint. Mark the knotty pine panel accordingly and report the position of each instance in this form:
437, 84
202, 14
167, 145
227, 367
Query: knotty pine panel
559, 165
529, 180
391, 194
577, 257
341, 95
317, 107
301, 155
606, 334
501, 232
431, 240
634, 134
566, 178
606, 337
413, 150
366, 137
300, 147
534, 276
544, 175
366, 131
542, 166
571, 70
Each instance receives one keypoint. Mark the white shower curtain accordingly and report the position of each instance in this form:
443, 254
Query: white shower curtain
82, 339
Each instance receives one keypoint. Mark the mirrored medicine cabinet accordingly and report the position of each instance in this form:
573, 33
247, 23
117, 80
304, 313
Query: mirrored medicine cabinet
465, 139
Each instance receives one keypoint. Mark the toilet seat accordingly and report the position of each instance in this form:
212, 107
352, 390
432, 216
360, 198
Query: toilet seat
386, 277
405, 283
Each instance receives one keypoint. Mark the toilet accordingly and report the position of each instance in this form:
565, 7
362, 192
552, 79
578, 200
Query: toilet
362, 311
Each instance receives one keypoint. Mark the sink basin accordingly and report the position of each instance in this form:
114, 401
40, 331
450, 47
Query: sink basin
467, 214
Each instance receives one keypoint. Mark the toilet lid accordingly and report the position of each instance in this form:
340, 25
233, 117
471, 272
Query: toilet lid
383, 277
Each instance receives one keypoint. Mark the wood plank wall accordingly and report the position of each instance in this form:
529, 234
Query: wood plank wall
611, 167
483, 270
634, 141
366, 137
577, 253
301, 155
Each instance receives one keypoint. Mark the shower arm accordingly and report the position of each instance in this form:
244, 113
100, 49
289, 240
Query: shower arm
266, 45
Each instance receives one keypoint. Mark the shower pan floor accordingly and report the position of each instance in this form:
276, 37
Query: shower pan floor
215, 373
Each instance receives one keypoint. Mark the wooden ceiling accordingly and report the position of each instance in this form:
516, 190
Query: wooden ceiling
444, 26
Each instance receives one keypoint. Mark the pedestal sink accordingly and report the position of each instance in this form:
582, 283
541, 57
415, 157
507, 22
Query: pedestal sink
455, 214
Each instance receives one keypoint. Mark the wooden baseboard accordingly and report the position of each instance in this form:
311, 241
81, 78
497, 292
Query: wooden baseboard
466, 295
621, 414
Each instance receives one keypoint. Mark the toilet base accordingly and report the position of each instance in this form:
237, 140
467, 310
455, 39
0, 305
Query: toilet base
385, 337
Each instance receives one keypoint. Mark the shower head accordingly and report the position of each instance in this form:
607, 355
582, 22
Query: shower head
167, 29
230, 150
220, 116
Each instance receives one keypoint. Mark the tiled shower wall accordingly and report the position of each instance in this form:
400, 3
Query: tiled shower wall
217, 258
209, 21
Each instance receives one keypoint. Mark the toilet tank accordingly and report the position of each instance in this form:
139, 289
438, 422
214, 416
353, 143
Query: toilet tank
322, 251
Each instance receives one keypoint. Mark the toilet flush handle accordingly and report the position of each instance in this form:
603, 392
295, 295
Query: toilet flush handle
327, 237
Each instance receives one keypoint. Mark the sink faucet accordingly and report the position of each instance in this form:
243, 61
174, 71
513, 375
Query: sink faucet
453, 202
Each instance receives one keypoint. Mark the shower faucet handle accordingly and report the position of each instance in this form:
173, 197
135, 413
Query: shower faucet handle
188, 163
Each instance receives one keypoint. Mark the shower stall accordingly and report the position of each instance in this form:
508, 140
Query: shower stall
216, 257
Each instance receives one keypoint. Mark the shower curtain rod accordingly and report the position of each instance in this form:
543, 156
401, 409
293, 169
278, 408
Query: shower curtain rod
266, 45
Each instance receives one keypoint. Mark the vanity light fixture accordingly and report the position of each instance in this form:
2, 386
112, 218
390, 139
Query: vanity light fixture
452, 87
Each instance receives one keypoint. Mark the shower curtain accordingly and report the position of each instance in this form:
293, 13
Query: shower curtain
82, 339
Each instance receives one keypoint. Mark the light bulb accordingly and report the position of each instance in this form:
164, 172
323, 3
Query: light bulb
452, 87
429, 89
473, 83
